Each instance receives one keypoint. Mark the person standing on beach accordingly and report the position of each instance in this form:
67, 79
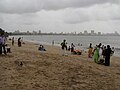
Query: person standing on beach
107, 56
19, 42
0, 44
90, 51
96, 55
3, 43
13, 41
64, 46
53, 43
72, 47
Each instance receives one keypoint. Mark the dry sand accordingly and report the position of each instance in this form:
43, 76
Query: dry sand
51, 71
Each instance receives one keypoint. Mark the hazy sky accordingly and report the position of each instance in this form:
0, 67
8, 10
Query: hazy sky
60, 15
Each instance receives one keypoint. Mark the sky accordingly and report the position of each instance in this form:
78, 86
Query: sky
60, 15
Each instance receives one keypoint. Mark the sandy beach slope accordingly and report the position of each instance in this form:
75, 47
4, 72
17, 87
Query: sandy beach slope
51, 71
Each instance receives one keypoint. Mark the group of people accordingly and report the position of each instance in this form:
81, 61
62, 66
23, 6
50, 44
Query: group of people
100, 54
20, 42
70, 48
41, 48
2, 44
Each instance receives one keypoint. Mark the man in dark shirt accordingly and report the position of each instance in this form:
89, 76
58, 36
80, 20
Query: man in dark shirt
107, 56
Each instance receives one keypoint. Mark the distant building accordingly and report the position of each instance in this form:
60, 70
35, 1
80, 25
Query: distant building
99, 33
92, 32
116, 33
85, 32
34, 32
39, 32
16, 32
80, 33
28, 32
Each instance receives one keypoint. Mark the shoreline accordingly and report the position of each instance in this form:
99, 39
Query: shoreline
58, 45
76, 40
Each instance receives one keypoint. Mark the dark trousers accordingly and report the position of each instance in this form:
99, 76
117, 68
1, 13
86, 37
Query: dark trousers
4, 49
107, 61
0, 49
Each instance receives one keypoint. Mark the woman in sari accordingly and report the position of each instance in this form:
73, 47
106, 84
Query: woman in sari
96, 55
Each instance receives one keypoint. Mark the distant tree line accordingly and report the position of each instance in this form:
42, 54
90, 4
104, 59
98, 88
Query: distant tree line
2, 32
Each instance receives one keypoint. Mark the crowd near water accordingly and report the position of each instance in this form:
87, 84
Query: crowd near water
100, 53
81, 42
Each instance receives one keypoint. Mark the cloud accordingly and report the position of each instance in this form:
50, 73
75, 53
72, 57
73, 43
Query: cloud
31, 6
103, 12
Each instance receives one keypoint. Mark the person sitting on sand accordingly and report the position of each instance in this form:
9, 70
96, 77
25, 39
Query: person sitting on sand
41, 48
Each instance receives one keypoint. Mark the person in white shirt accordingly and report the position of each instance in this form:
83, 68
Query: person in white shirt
0, 44
3, 43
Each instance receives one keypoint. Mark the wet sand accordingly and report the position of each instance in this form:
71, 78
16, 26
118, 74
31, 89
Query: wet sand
51, 70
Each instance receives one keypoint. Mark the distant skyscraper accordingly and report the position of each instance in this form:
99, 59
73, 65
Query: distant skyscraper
92, 32
39, 32
116, 33
16, 32
99, 33
85, 32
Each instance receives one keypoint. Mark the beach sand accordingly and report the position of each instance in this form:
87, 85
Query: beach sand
50, 70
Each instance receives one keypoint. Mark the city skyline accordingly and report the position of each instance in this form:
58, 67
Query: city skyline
39, 32
60, 15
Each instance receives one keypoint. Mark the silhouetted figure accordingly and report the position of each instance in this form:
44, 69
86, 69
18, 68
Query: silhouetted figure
19, 42
72, 47
41, 48
69, 48
64, 44
107, 56
13, 41
53, 43
4, 43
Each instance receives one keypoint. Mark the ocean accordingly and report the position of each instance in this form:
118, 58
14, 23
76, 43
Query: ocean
83, 41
